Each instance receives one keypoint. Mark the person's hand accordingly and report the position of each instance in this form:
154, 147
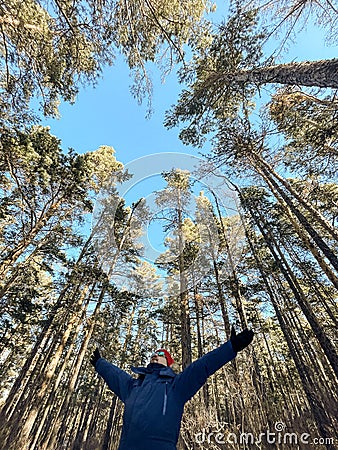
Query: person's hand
241, 340
95, 357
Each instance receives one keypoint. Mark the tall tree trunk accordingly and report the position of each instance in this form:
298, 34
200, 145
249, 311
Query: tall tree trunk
198, 300
234, 281
306, 241
22, 245
280, 259
306, 205
322, 73
49, 404
283, 265
321, 419
302, 219
323, 295
128, 336
221, 300
108, 432
46, 377
184, 297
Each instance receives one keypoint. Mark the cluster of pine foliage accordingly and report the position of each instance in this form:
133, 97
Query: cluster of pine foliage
273, 266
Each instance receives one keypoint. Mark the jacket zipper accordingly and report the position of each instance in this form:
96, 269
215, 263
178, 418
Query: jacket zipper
165, 399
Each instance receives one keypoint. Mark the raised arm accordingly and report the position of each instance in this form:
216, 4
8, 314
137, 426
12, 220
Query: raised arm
119, 381
196, 374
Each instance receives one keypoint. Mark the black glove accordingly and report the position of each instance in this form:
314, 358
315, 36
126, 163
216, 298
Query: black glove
240, 340
95, 357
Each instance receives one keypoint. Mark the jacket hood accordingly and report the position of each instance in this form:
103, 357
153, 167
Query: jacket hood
163, 370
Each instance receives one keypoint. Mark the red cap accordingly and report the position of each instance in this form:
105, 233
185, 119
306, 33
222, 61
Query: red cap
168, 357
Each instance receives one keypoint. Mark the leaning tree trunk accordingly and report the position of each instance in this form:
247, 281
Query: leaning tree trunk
323, 73
50, 404
302, 235
302, 219
23, 378
323, 295
13, 255
331, 229
20, 397
47, 419
283, 265
321, 419
234, 281
46, 377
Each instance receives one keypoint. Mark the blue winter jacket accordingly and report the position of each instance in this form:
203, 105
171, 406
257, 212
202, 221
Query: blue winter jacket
155, 400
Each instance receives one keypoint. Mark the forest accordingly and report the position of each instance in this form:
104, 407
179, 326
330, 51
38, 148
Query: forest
68, 236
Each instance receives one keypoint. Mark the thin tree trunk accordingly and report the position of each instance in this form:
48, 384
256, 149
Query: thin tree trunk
306, 205
108, 432
197, 301
324, 341
22, 245
46, 377
302, 219
49, 404
290, 211
323, 297
184, 298
318, 412
234, 281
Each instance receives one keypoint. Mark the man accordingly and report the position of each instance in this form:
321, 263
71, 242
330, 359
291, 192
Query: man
155, 400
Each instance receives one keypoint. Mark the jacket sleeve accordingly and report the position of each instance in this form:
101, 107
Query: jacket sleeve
119, 381
196, 374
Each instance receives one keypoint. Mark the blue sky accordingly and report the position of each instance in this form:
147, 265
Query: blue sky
109, 115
